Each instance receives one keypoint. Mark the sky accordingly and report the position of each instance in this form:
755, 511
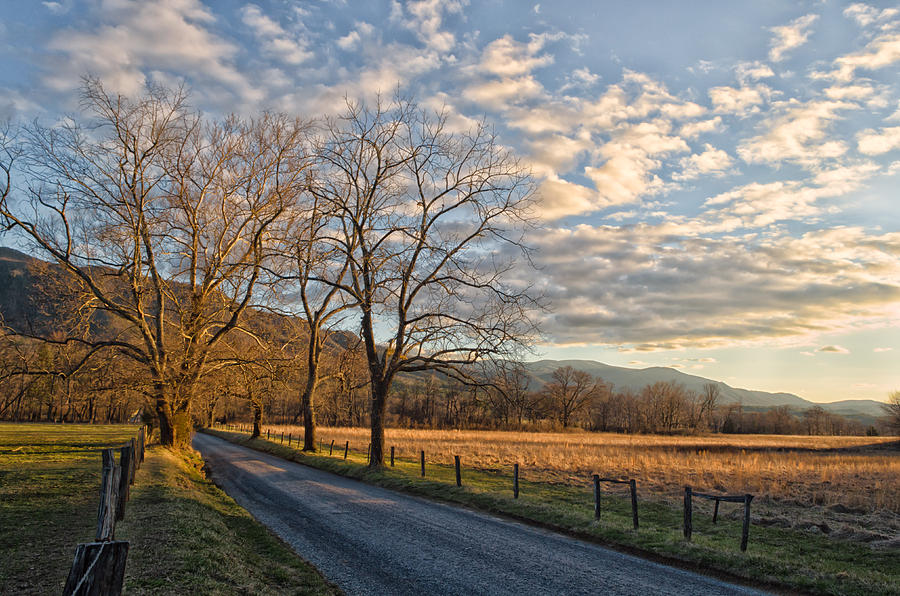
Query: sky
717, 180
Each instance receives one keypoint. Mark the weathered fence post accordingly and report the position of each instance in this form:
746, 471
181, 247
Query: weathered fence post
133, 456
596, 496
125, 465
140, 447
369, 454
109, 492
331, 449
422, 461
346, 449
98, 569
745, 531
289, 439
458, 476
515, 481
634, 516
688, 513
392, 456
282, 437
716, 511
267, 434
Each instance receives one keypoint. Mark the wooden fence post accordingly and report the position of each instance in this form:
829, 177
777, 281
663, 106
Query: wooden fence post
745, 531
422, 461
596, 496
140, 447
369, 454
109, 492
688, 513
346, 449
98, 569
515, 481
716, 511
392, 456
289, 439
282, 437
458, 476
331, 449
133, 456
634, 516
125, 465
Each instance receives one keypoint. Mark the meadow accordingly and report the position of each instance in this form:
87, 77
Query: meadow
181, 528
848, 487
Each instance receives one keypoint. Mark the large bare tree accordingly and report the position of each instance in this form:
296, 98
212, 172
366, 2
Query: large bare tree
431, 222
162, 217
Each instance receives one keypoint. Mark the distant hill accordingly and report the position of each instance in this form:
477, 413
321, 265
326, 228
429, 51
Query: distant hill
863, 410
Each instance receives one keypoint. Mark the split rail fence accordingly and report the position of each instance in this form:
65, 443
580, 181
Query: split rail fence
99, 566
595, 478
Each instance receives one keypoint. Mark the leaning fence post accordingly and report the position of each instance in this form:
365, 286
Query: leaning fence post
745, 531
346, 449
369, 454
458, 476
515, 481
282, 437
422, 461
98, 568
688, 511
634, 516
392, 456
716, 511
331, 449
596, 496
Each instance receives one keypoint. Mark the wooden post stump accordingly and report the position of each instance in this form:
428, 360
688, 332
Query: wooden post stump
458, 476
331, 449
716, 511
596, 496
515, 481
98, 569
133, 467
346, 449
422, 462
392, 456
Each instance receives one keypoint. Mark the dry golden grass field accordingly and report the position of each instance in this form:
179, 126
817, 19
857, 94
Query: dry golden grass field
845, 486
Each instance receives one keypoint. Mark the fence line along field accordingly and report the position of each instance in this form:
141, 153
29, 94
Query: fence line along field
851, 482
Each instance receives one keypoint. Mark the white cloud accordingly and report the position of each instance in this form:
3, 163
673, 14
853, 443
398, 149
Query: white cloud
879, 53
139, 37
741, 101
349, 41
789, 37
712, 162
425, 18
865, 15
833, 349
881, 350
872, 142
692, 130
748, 72
275, 40
799, 134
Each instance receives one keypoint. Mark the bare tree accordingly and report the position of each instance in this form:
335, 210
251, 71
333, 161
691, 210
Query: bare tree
708, 399
892, 410
570, 391
431, 223
162, 217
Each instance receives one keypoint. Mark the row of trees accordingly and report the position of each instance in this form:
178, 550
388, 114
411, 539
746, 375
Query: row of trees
176, 232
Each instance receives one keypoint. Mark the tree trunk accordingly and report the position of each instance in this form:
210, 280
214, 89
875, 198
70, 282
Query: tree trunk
257, 417
166, 417
308, 397
379, 407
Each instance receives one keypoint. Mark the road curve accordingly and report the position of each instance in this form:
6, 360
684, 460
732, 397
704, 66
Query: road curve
370, 540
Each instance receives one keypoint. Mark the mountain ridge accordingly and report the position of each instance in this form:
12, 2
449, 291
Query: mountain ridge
637, 378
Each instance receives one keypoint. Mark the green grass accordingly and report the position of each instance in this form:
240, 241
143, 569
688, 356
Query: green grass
776, 557
186, 535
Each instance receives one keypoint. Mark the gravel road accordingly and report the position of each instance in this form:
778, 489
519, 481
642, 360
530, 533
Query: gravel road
370, 540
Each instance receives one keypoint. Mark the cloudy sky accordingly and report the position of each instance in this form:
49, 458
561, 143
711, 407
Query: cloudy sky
719, 184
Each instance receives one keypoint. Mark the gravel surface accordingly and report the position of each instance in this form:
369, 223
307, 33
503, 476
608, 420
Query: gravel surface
370, 540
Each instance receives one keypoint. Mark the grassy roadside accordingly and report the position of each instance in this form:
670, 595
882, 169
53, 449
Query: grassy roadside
776, 556
186, 535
